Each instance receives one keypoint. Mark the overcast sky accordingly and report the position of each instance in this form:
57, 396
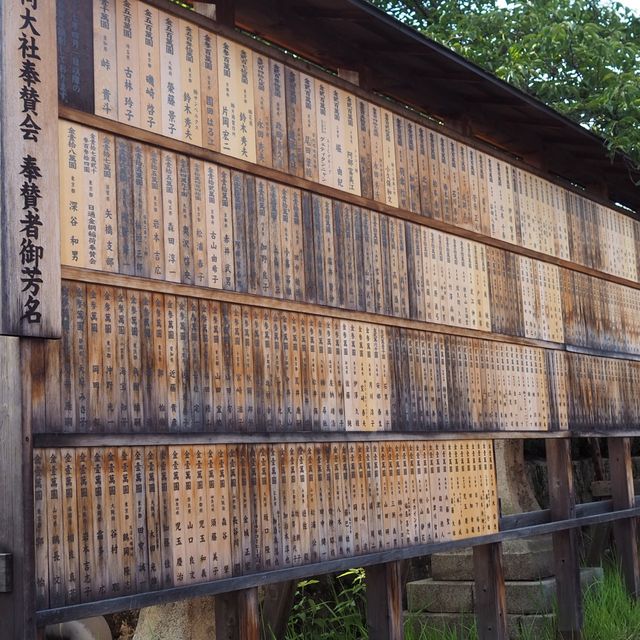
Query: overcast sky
634, 4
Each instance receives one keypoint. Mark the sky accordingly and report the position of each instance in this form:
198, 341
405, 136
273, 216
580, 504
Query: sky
632, 4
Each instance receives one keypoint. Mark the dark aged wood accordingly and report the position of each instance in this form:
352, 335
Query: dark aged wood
164, 379
489, 590
6, 572
93, 440
226, 12
623, 494
384, 601
227, 617
17, 606
178, 146
237, 615
248, 614
565, 543
276, 606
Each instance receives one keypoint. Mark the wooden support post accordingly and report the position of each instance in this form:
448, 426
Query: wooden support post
276, 607
565, 543
490, 602
238, 615
16, 502
249, 614
623, 495
384, 601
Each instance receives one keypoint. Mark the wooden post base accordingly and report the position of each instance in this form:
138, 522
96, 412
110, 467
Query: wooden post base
384, 601
490, 602
565, 544
623, 495
238, 615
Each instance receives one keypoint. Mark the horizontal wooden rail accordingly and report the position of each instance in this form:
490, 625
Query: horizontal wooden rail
587, 514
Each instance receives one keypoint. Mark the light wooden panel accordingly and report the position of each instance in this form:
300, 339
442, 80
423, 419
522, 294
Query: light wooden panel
240, 508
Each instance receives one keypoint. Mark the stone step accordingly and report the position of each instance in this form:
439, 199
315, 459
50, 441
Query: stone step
521, 560
518, 625
456, 596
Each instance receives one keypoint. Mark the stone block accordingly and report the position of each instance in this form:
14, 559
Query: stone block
453, 596
521, 560
456, 596
534, 625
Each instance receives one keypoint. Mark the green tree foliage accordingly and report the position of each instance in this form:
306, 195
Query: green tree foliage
581, 57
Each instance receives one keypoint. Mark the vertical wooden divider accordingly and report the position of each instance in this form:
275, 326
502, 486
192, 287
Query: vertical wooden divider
623, 494
16, 512
384, 601
248, 614
276, 607
565, 543
489, 590
237, 615
226, 616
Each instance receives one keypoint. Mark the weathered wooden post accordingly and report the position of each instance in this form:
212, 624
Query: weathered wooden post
384, 601
623, 494
29, 278
565, 543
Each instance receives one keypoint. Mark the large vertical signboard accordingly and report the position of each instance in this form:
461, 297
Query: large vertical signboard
29, 249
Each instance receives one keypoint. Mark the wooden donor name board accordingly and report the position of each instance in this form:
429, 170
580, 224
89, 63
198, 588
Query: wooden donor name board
112, 521
272, 291
30, 246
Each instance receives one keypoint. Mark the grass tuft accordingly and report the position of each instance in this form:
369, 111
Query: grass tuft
336, 611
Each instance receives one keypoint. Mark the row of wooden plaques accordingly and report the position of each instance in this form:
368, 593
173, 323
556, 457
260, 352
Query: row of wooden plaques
169, 76
137, 361
135, 209
121, 520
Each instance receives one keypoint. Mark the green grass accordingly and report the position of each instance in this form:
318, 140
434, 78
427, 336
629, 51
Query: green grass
334, 610
609, 614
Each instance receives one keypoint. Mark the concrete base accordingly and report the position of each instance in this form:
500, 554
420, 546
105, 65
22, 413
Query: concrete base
456, 596
87, 629
517, 625
521, 560
186, 620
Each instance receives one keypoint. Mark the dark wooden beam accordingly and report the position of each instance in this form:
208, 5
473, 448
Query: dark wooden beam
625, 531
384, 601
276, 606
490, 600
226, 12
565, 543
17, 607
237, 615
248, 614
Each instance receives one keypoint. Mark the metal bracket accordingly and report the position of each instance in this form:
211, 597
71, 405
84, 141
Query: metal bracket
6, 572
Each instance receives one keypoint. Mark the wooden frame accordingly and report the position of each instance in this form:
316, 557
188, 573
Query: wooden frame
121, 329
